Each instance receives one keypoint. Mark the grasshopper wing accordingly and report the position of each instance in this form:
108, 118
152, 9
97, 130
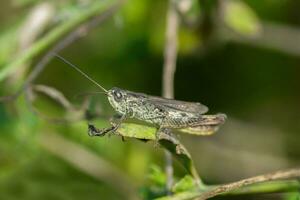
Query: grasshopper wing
193, 107
207, 126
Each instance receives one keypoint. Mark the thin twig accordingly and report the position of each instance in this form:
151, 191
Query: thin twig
170, 53
55, 95
170, 56
287, 174
72, 114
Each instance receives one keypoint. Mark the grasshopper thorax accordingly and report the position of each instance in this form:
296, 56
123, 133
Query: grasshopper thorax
117, 99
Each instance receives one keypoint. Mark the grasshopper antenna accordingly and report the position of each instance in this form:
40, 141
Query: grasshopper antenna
81, 72
88, 93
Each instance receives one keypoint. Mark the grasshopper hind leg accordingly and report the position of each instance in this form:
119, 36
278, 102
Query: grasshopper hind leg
159, 135
164, 134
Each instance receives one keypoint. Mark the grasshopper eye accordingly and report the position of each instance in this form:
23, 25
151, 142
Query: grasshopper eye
117, 95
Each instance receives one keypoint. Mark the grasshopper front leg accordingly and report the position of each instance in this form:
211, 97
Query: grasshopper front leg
94, 131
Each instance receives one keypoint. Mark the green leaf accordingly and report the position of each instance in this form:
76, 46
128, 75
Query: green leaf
156, 184
137, 131
8, 43
292, 196
55, 35
187, 183
157, 176
241, 18
167, 141
188, 41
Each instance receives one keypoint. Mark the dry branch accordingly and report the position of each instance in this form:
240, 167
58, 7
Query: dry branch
279, 175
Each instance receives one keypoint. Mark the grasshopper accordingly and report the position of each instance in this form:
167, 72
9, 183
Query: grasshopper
162, 112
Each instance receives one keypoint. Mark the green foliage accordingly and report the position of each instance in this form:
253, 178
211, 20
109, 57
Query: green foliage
292, 196
37, 179
137, 131
187, 183
157, 176
155, 184
241, 18
54, 35
169, 142
8, 43
256, 86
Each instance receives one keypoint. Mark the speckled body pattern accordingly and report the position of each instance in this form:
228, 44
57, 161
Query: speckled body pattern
164, 113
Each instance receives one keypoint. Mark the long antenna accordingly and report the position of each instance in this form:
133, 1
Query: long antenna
81, 72
88, 93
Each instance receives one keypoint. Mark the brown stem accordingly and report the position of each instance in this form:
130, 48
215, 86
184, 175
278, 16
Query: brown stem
170, 56
55, 95
287, 174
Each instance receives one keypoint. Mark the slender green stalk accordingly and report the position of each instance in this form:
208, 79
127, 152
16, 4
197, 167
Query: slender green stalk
53, 36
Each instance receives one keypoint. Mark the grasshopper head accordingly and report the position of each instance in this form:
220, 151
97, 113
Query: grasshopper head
117, 99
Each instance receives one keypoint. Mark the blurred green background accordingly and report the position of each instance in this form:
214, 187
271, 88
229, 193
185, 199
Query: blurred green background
237, 57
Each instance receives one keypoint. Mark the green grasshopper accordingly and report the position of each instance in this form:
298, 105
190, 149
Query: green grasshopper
162, 112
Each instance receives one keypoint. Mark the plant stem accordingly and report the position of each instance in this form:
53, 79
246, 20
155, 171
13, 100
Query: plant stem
267, 183
170, 56
293, 173
53, 36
